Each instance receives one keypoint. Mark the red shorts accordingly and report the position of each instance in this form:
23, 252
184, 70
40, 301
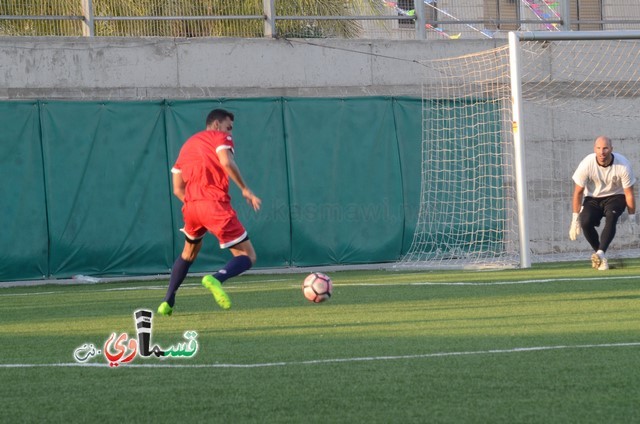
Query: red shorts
216, 217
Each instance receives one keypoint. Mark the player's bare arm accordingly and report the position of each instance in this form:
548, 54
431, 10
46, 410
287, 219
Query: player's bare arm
178, 185
231, 169
631, 200
577, 198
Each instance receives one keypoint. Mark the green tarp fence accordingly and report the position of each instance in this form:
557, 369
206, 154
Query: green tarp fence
86, 186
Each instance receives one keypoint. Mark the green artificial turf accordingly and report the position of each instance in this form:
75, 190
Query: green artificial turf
554, 343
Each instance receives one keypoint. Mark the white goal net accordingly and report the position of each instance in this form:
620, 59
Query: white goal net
571, 92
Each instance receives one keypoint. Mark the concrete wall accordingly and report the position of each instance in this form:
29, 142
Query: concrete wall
152, 68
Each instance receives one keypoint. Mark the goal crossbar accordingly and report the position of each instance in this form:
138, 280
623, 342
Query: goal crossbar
576, 35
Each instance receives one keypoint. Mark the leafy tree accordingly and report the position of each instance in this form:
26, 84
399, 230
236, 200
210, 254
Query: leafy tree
191, 9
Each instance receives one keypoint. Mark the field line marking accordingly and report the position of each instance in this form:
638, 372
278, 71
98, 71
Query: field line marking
335, 360
116, 289
419, 283
494, 283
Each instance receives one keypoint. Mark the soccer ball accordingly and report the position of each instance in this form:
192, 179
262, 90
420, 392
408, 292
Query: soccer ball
317, 287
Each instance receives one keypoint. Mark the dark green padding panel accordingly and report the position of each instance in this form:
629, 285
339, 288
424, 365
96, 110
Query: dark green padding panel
107, 188
345, 184
408, 129
23, 210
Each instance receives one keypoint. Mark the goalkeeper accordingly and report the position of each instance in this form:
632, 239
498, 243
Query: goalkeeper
603, 189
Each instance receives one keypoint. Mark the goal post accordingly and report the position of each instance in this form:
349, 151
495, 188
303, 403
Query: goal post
503, 131
518, 149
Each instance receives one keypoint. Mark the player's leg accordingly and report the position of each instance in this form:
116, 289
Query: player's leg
590, 217
244, 256
613, 207
193, 231
179, 272
233, 236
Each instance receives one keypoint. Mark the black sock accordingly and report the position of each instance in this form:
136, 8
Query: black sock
178, 274
236, 266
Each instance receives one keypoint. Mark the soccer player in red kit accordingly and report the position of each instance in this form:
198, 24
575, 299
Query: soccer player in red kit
201, 181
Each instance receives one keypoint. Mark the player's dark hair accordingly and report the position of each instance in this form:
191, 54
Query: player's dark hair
218, 115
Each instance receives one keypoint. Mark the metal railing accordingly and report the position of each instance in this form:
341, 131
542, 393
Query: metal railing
371, 19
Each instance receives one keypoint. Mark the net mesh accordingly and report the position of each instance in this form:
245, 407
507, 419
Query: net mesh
467, 209
572, 92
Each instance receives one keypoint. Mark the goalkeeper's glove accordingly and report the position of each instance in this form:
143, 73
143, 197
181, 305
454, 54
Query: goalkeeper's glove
574, 231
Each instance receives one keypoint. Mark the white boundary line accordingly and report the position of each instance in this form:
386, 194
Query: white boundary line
84, 279
115, 289
334, 360
419, 283
500, 283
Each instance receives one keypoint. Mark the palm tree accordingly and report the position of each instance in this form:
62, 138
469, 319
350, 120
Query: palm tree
324, 28
191, 8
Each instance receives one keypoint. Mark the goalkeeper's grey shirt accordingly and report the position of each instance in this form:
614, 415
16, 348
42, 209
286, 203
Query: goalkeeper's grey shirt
603, 181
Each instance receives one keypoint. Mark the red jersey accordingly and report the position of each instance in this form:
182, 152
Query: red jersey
200, 167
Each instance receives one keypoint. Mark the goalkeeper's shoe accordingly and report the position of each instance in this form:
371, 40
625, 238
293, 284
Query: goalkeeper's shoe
596, 261
215, 287
164, 309
604, 265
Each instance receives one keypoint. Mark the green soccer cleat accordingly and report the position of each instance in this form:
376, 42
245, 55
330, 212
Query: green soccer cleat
165, 310
215, 287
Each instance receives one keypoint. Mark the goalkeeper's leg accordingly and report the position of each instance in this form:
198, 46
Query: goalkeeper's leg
590, 218
614, 206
